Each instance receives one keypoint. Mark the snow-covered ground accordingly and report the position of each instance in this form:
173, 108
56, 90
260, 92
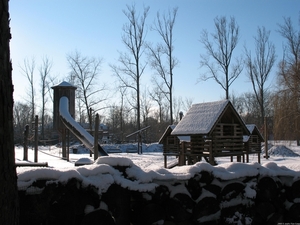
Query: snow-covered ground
151, 157
283, 153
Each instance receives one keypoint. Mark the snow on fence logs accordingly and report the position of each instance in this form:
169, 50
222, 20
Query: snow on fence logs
115, 191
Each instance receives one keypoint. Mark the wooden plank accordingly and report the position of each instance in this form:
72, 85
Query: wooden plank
36, 164
221, 154
228, 129
171, 149
136, 132
171, 154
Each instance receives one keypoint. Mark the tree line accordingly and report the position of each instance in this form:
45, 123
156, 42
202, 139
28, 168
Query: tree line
159, 106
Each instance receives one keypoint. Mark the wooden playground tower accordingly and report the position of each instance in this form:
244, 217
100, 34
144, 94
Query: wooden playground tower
63, 89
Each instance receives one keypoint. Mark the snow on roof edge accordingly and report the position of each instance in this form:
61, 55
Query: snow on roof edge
63, 84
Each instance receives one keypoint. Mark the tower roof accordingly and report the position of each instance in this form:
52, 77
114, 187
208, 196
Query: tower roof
64, 84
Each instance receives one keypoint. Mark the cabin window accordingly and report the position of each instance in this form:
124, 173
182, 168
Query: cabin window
228, 130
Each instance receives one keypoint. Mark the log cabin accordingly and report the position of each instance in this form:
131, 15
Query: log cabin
215, 130
252, 142
173, 145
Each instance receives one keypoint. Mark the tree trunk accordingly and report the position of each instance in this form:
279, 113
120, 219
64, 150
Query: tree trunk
9, 206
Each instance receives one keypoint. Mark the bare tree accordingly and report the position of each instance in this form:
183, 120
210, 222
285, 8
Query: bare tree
286, 116
158, 96
131, 68
44, 70
259, 66
114, 121
290, 63
22, 117
177, 107
28, 71
145, 106
122, 108
225, 37
238, 102
289, 83
161, 56
118, 114
187, 103
9, 206
84, 73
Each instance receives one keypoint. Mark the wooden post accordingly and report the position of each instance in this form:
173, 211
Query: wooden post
181, 156
96, 137
91, 131
266, 139
26, 133
36, 138
211, 157
68, 144
63, 143
247, 149
140, 150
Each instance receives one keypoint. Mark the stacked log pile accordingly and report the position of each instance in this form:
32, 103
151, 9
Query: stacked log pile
201, 199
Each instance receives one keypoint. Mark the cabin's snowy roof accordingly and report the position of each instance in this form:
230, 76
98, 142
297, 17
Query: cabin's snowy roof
64, 84
251, 128
200, 118
167, 132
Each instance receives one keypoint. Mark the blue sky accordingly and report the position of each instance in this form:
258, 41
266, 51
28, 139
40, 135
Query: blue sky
55, 28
